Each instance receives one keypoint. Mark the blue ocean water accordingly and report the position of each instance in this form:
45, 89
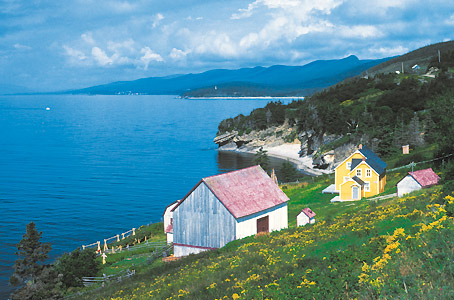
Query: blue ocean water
91, 167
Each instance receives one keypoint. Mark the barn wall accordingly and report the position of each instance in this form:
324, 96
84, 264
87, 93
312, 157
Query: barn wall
179, 251
202, 220
278, 219
407, 185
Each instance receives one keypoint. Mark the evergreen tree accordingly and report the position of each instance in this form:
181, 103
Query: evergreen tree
37, 281
289, 172
261, 158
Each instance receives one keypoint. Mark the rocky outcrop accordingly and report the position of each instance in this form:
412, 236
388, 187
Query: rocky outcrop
311, 145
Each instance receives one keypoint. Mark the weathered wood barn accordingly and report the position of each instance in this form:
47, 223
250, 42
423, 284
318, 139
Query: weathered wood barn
226, 207
417, 180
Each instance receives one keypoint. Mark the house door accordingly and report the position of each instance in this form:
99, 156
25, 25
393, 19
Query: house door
355, 193
263, 224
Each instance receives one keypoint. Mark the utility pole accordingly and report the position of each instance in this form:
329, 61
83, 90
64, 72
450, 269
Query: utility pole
402, 68
439, 56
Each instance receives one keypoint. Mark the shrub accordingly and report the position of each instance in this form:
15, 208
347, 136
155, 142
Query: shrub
77, 264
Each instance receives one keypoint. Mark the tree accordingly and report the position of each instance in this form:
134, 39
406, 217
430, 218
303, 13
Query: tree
73, 266
261, 158
37, 281
289, 172
441, 111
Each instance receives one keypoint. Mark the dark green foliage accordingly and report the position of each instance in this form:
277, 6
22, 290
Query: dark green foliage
442, 112
261, 158
33, 253
77, 264
289, 172
36, 280
446, 61
407, 159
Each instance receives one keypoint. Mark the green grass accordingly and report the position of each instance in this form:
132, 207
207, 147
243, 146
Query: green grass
322, 261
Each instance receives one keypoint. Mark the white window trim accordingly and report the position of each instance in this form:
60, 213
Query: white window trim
349, 165
358, 173
367, 186
368, 173
346, 178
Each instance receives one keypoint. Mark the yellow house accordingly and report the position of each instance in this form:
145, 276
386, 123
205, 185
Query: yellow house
362, 174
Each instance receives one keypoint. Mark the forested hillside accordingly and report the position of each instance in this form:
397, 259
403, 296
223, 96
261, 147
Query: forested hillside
384, 111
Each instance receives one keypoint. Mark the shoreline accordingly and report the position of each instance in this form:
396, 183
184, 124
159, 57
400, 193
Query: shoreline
286, 152
243, 98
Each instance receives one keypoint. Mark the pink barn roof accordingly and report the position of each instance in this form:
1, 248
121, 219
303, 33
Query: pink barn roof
308, 212
244, 192
426, 177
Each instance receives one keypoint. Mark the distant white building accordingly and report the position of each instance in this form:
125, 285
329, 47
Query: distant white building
168, 221
416, 180
226, 207
306, 216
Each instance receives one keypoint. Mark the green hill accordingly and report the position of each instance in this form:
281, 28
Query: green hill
397, 248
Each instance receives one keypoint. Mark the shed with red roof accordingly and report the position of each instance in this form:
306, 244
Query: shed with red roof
168, 221
226, 207
417, 180
306, 216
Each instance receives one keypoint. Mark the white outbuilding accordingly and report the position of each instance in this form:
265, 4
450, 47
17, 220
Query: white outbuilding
416, 180
226, 207
306, 216
168, 221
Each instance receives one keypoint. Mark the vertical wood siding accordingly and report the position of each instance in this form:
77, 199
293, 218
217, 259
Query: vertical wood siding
202, 220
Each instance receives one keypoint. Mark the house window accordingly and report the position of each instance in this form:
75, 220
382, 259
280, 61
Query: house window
368, 173
367, 186
349, 165
346, 178
358, 173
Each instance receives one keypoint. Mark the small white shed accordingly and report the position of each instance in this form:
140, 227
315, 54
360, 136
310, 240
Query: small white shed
226, 207
306, 216
416, 180
168, 221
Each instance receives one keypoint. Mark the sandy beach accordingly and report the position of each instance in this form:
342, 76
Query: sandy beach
285, 151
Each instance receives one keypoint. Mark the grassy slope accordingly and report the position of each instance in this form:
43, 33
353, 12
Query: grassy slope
352, 251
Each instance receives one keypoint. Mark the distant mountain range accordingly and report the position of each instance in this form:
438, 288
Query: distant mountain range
259, 81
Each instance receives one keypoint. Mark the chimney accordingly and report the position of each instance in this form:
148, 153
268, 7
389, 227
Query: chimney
364, 159
360, 146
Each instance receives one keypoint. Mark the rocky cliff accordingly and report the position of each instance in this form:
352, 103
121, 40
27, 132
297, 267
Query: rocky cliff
315, 152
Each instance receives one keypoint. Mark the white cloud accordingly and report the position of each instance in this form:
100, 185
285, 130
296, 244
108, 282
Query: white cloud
177, 54
74, 53
22, 47
122, 7
101, 57
149, 56
88, 38
360, 31
389, 51
450, 21
157, 19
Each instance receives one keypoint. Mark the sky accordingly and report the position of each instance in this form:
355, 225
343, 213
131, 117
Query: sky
48, 45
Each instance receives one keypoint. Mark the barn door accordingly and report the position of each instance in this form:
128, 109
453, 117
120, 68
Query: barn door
263, 224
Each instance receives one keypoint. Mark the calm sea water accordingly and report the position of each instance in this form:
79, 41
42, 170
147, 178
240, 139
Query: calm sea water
95, 166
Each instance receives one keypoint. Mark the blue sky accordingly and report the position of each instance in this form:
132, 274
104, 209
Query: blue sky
54, 44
